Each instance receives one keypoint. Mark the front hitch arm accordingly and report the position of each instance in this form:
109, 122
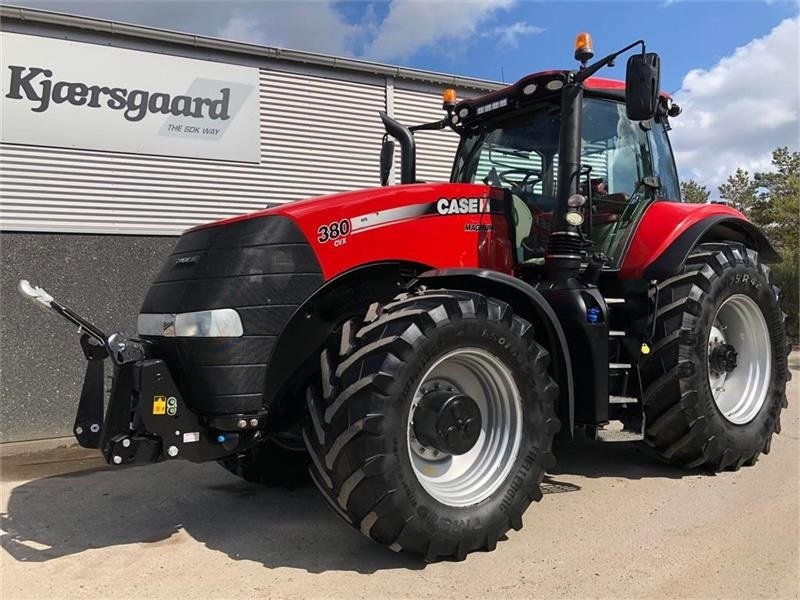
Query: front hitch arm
96, 346
117, 346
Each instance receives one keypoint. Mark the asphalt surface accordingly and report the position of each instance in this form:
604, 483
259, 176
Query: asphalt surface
613, 523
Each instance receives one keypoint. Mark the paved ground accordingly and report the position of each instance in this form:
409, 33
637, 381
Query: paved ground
614, 524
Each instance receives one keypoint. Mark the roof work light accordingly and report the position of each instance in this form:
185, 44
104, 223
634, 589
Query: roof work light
583, 47
449, 98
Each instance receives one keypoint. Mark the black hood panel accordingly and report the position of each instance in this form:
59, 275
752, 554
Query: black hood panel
262, 267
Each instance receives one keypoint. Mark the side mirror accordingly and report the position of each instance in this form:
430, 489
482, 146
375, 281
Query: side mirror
642, 86
387, 157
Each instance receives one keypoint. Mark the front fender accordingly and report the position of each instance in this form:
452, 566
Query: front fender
669, 230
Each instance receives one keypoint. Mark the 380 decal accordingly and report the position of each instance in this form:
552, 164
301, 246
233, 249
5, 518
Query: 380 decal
333, 231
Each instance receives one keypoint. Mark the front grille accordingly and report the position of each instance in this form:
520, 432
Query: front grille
262, 267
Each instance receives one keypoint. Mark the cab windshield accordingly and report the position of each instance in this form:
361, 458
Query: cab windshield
520, 153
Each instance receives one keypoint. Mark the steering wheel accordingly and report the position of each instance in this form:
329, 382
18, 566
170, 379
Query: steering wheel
528, 173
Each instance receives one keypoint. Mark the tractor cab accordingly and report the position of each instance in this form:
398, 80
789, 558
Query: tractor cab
511, 140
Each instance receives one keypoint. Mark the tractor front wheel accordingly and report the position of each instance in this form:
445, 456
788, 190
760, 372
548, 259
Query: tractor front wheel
716, 378
433, 424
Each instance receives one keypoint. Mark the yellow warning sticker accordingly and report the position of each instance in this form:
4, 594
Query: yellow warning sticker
159, 405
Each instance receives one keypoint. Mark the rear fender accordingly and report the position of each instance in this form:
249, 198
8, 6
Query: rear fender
669, 230
529, 304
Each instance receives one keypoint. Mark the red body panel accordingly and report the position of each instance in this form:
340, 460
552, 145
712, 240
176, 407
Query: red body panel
661, 224
403, 223
611, 85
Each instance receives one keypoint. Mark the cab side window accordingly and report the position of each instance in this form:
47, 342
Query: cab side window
663, 164
614, 147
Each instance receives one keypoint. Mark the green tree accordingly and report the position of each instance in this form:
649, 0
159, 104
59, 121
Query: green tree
693, 192
741, 191
778, 214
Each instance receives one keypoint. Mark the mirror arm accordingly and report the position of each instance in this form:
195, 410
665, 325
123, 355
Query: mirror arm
435, 126
587, 72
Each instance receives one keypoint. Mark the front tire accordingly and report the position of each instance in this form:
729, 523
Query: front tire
366, 459
715, 381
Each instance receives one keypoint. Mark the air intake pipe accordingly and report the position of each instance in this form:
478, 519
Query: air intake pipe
408, 148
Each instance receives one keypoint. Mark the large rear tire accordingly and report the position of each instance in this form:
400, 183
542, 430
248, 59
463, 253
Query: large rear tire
371, 462
715, 381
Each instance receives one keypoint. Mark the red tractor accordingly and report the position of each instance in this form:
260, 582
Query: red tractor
418, 346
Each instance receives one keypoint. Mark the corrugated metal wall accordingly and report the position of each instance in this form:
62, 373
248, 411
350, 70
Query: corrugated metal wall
65, 190
435, 149
318, 136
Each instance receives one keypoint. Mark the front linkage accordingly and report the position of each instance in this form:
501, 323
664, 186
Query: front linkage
147, 419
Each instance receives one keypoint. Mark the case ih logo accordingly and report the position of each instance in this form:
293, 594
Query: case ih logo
463, 206
36, 85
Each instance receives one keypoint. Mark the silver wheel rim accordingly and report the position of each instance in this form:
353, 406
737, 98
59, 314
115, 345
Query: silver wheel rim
472, 477
739, 394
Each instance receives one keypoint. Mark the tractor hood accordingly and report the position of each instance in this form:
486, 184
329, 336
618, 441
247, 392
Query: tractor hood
367, 201
432, 225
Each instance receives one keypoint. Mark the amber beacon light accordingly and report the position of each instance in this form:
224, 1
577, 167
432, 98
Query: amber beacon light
583, 47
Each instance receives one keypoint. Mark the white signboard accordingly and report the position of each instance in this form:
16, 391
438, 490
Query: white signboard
76, 95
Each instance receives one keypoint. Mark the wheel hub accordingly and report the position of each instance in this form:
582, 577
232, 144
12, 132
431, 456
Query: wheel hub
447, 422
722, 358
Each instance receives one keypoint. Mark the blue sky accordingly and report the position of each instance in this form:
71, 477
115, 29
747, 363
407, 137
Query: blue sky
733, 65
687, 34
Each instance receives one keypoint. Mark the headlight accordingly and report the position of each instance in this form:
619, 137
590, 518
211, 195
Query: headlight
574, 218
221, 322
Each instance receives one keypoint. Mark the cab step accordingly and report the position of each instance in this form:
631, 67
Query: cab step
622, 400
615, 431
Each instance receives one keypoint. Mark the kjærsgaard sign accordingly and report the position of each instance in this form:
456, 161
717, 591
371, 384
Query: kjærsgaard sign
76, 95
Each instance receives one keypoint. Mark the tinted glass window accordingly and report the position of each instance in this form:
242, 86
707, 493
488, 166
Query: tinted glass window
664, 165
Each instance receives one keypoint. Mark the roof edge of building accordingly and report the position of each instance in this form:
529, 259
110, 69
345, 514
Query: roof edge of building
24, 14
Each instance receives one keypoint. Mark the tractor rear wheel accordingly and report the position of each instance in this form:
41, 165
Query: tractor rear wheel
715, 380
433, 424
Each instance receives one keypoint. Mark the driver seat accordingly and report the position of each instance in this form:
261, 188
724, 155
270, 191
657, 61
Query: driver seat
523, 222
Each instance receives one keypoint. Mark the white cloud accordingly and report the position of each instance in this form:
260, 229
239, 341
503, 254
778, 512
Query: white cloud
408, 27
319, 25
508, 36
411, 26
739, 110
315, 27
